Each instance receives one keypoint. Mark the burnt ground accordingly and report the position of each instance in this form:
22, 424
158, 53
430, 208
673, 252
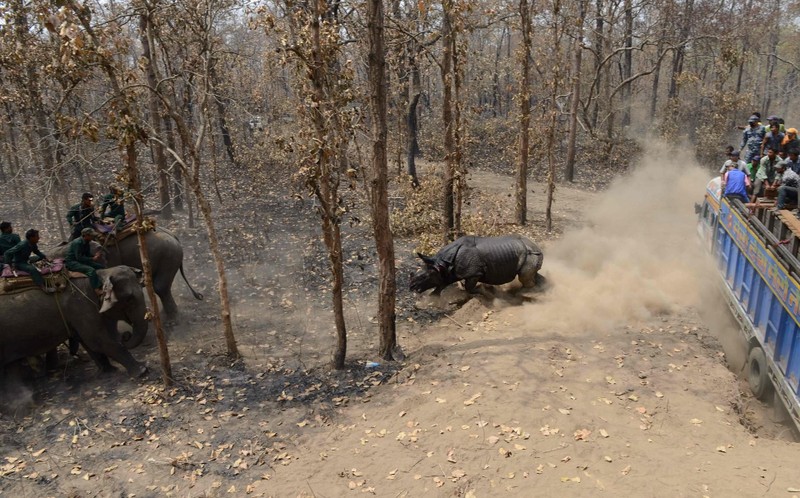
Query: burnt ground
272, 423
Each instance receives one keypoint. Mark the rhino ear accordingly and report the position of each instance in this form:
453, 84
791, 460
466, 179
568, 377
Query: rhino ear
428, 260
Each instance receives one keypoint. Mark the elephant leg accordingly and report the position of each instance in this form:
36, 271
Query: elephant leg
51, 360
74, 345
163, 288
101, 361
106, 347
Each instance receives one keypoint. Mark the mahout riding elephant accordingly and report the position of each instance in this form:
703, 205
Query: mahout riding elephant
35, 323
166, 259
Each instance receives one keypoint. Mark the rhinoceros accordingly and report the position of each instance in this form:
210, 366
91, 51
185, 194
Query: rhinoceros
490, 260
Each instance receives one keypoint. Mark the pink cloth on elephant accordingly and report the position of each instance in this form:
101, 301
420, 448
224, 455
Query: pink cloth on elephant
55, 267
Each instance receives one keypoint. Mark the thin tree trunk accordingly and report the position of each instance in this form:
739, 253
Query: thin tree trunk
575, 100
177, 176
460, 183
128, 144
599, 43
657, 75
448, 122
134, 184
384, 242
521, 204
551, 132
222, 107
627, 67
146, 38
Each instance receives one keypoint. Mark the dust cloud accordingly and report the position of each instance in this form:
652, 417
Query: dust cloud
637, 256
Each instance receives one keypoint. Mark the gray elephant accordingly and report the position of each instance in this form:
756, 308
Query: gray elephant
166, 259
35, 323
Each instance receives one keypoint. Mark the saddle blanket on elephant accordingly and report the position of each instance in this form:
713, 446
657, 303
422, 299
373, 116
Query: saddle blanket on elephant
107, 226
107, 237
55, 267
56, 280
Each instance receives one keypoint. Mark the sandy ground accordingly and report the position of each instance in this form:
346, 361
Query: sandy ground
619, 379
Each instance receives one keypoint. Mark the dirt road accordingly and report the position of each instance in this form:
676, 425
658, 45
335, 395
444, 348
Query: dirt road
612, 382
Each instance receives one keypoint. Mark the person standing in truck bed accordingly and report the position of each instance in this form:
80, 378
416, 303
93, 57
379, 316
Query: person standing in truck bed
735, 183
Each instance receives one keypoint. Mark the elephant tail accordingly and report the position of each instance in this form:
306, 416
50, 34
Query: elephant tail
196, 294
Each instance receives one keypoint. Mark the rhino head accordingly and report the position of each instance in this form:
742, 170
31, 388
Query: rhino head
432, 275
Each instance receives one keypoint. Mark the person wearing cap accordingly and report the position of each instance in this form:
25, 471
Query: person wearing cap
777, 120
752, 167
790, 141
792, 161
115, 203
18, 257
8, 238
789, 182
79, 258
82, 215
752, 137
766, 173
735, 183
773, 138
733, 158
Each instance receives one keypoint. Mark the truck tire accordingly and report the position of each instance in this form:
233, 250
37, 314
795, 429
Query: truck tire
757, 376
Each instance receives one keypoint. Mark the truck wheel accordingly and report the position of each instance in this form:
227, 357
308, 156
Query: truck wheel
757, 376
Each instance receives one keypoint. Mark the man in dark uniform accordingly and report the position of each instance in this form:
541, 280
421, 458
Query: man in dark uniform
115, 203
79, 258
82, 215
18, 257
8, 238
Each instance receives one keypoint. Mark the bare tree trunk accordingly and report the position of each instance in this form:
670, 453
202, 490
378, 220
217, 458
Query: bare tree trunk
575, 99
177, 173
448, 122
657, 75
551, 132
627, 67
326, 181
679, 54
128, 144
521, 204
771, 58
460, 180
599, 44
384, 242
146, 38
45, 142
134, 184
222, 107
19, 185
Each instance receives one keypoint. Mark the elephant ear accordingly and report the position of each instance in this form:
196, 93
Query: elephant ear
109, 297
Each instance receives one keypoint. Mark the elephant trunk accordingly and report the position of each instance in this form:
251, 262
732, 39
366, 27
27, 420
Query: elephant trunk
139, 322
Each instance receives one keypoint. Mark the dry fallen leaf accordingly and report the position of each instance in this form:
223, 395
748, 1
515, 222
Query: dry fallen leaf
582, 434
626, 470
696, 421
603, 433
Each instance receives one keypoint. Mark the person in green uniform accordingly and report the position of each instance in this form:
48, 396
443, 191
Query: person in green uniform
115, 203
8, 238
19, 255
82, 215
79, 258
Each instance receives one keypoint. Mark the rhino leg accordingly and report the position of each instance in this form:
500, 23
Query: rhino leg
528, 273
470, 284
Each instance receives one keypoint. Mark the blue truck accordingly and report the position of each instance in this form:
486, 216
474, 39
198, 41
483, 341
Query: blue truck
755, 248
